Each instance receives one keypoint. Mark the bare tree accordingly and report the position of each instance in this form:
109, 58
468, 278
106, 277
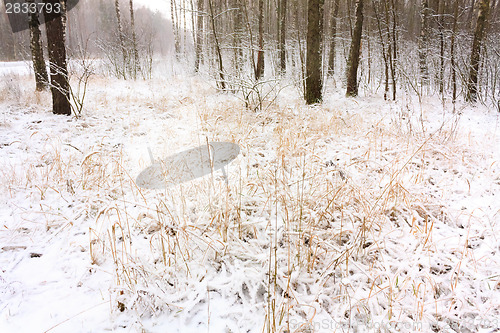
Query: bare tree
237, 35
422, 42
441, 46
385, 54
282, 9
199, 35
470, 15
222, 81
314, 75
41, 76
8, 49
393, 46
121, 37
333, 37
353, 62
56, 36
472, 88
452, 53
259, 70
175, 26
135, 50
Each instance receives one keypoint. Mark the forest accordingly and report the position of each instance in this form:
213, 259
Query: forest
249, 165
440, 47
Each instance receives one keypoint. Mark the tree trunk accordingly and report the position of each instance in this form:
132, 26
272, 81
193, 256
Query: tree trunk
251, 48
452, 53
259, 71
199, 35
55, 28
333, 40
471, 12
422, 46
394, 48
121, 38
134, 40
349, 16
301, 63
282, 34
7, 40
390, 41
384, 52
175, 27
472, 88
353, 62
441, 46
222, 81
494, 10
183, 9
314, 75
41, 76
237, 36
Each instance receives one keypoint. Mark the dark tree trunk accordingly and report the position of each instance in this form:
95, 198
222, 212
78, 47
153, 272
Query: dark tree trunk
282, 34
452, 53
259, 71
41, 76
55, 27
353, 62
472, 89
7, 39
333, 40
314, 75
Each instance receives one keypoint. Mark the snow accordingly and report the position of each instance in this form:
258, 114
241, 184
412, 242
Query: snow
358, 214
15, 67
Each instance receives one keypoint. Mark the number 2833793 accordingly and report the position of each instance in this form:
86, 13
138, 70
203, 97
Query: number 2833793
33, 8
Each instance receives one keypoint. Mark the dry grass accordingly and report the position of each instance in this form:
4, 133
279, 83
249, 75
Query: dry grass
317, 205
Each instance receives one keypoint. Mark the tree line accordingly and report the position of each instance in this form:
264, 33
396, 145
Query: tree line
445, 47
455, 43
95, 29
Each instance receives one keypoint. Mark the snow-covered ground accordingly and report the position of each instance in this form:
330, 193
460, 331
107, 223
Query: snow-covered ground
356, 215
15, 67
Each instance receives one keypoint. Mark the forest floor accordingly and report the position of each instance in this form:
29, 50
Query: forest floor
356, 215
